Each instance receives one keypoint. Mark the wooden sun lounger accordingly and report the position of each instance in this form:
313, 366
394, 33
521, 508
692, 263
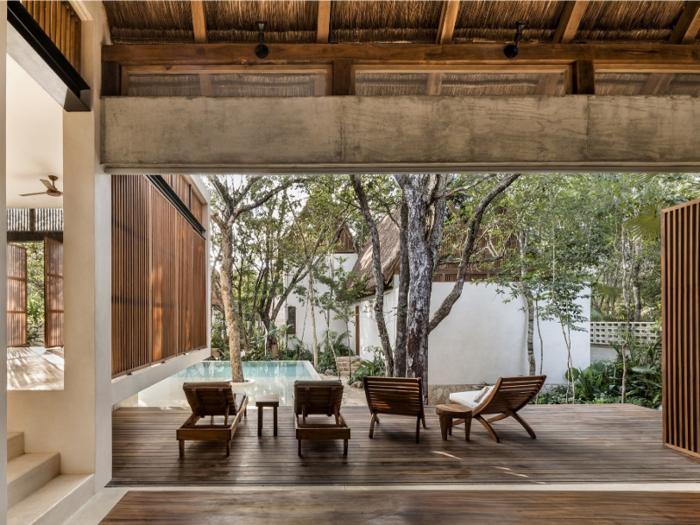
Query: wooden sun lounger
319, 398
395, 395
212, 399
508, 396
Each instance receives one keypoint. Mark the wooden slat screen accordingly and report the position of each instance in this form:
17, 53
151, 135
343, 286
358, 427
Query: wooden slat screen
182, 188
680, 274
53, 293
131, 348
197, 207
16, 295
159, 278
164, 223
62, 25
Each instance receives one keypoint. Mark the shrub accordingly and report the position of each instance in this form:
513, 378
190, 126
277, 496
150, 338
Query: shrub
375, 367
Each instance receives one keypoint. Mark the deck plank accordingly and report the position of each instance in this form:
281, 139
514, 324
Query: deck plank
575, 444
298, 506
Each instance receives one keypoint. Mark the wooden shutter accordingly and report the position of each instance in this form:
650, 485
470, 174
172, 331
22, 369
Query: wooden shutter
53, 293
680, 299
16, 295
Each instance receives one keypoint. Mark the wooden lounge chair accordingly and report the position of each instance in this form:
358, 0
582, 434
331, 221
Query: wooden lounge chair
504, 399
319, 398
395, 395
212, 399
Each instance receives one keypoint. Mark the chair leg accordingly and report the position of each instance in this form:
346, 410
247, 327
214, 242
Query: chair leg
345, 447
182, 448
488, 428
525, 425
418, 429
374, 420
299, 447
450, 423
424, 425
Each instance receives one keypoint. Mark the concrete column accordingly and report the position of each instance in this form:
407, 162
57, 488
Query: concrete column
3, 281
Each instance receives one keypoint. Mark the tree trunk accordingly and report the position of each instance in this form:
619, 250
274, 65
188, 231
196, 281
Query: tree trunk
378, 274
530, 330
313, 316
626, 297
402, 306
234, 341
634, 280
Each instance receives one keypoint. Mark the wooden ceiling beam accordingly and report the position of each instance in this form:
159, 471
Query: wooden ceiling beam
657, 84
609, 55
323, 30
547, 83
569, 21
448, 19
199, 23
686, 30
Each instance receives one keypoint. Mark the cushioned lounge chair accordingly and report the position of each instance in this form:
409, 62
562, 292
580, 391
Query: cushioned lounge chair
395, 395
314, 398
212, 399
504, 399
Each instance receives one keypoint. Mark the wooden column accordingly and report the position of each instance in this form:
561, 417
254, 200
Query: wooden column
680, 302
580, 79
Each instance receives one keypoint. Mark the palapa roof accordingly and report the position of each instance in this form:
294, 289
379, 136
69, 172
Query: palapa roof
390, 246
140, 22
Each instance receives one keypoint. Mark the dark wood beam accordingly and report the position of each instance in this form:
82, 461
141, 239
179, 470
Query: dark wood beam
581, 78
569, 21
627, 56
657, 84
547, 83
33, 236
688, 24
323, 31
343, 78
448, 18
199, 24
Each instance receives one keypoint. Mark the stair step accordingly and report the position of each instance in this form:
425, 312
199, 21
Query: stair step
15, 445
53, 503
29, 472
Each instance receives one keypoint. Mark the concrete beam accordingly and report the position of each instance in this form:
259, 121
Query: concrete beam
335, 134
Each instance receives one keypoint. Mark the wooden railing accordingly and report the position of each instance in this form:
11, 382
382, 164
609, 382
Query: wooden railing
62, 25
159, 277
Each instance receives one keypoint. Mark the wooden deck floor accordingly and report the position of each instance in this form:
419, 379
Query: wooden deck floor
575, 444
400, 507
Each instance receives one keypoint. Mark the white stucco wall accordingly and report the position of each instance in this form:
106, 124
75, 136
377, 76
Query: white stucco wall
304, 321
483, 338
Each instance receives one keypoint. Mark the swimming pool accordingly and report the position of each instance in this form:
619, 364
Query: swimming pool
268, 377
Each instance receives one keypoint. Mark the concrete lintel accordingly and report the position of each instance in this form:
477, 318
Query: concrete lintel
335, 134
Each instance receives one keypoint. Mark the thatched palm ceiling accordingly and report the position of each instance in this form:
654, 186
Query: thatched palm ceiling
137, 22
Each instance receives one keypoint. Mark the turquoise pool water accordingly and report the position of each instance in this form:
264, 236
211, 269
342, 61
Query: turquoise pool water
267, 377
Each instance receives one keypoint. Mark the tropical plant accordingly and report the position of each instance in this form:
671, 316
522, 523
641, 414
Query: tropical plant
375, 367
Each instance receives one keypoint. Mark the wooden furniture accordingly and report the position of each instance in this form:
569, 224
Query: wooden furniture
449, 413
506, 398
319, 398
395, 395
212, 399
267, 400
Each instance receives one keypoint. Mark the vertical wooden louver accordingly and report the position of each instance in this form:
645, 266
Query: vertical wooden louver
680, 274
53, 293
159, 277
16, 295
62, 25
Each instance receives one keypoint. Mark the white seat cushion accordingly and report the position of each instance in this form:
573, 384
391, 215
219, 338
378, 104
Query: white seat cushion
471, 398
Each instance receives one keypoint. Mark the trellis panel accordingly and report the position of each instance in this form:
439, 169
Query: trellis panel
16, 295
131, 287
53, 293
680, 273
164, 308
199, 290
185, 284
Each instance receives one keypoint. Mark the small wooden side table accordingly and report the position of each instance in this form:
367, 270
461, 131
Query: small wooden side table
267, 400
448, 414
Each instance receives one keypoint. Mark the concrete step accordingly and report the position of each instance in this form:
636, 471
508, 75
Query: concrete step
53, 503
15, 445
29, 472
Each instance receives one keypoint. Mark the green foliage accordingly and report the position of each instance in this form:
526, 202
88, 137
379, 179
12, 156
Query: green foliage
375, 367
602, 381
332, 345
35, 292
295, 350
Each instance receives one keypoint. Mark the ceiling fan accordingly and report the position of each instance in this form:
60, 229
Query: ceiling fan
51, 189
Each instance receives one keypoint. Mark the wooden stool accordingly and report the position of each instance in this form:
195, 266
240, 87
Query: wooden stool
448, 414
268, 400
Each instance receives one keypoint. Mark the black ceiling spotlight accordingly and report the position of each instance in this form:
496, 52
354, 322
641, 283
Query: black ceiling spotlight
511, 50
261, 50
